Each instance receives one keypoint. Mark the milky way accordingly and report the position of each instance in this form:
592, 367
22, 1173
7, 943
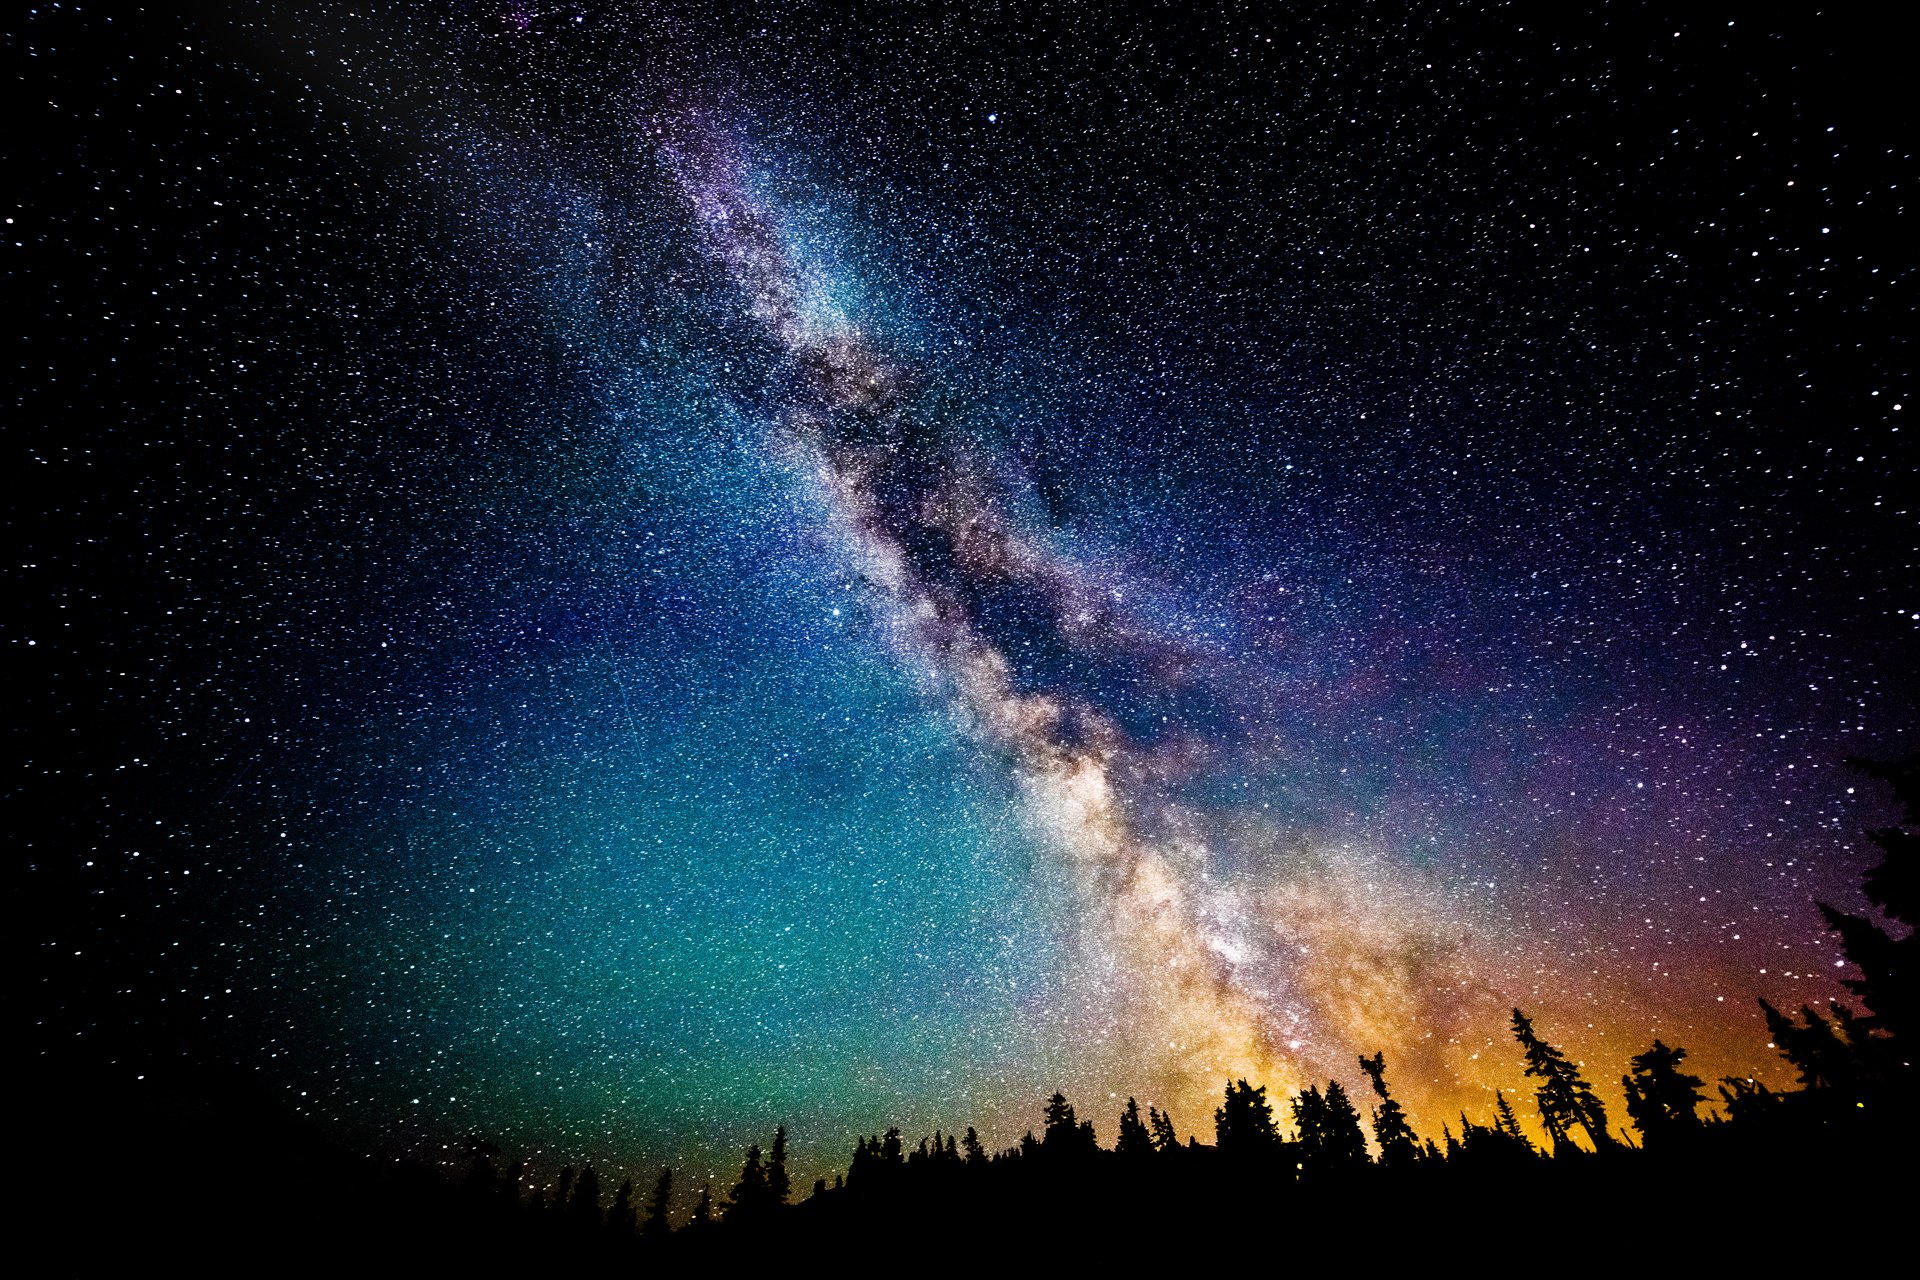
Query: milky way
1203, 976
613, 577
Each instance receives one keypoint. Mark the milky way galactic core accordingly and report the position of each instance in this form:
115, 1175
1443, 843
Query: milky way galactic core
614, 577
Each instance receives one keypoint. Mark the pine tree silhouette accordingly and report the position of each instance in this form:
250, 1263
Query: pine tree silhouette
1134, 1141
1398, 1144
976, 1154
1746, 1100
702, 1208
660, 1206
1062, 1130
1564, 1097
1160, 1124
622, 1218
1243, 1125
1506, 1122
1327, 1130
1888, 965
750, 1197
778, 1186
1346, 1145
584, 1208
1662, 1099
1826, 1053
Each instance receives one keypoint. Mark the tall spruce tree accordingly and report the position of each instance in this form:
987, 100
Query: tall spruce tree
1662, 1099
1134, 1141
1399, 1145
1844, 1056
1889, 966
658, 1208
1564, 1097
1327, 1130
623, 1218
1507, 1122
1243, 1124
750, 1197
584, 1208
1831, 1054
1063, 1129
1160, 1125
1345, 1143
778, 1185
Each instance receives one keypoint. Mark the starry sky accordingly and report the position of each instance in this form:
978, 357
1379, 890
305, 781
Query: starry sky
613, 576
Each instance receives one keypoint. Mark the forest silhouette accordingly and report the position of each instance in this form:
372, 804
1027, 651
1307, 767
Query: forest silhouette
1731, 1168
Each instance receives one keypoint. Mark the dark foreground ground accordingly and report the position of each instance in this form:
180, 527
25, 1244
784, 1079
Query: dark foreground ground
215, 1183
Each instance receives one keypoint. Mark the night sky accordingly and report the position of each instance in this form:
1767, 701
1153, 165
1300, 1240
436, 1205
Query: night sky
616, 576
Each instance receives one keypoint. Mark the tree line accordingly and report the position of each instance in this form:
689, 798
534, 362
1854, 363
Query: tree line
1853, 1068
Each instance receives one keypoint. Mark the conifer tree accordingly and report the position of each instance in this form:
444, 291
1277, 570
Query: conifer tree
622, 1218
1398, 1143
1243, 1125
702, 1208
1889, 967
1505, 1121
749, 1197
1826, 1053
1327, 1129
660, 1206
584, 1208
778, 1186
1160, 1124
1063, 1130
1564, 1097
1345, 1146
1661, 1098
976, 1154
1134, 1140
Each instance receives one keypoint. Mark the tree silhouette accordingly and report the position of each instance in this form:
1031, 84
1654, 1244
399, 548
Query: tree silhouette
622, 1218
1398, 1144
1746, 1100
1662, 1099
1826, 1053
778, 1186
1065, 1135
584, 1209
1160, 1124
1062, 1130
702, 1208
1327, 1130
1887, 965
751, 1197
976, 1155
1134, 1140
660, 1206
1243, 1125
1506, 1122
1564, 1097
